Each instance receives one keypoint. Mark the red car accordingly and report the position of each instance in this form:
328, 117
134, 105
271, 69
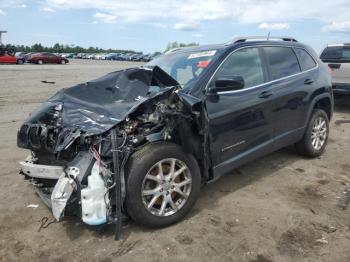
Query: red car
47, 58
7, 59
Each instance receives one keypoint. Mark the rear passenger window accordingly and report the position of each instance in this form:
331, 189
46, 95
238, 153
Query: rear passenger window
282, 61
332, 53
245, 63
346, 54
307, 62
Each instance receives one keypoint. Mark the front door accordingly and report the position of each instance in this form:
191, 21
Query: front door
240, 123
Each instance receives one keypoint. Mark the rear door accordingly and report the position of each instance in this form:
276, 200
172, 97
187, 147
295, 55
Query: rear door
338, 59
289, 87
240, 123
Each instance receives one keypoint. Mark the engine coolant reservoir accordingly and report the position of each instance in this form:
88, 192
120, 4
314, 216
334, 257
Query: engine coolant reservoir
93, 203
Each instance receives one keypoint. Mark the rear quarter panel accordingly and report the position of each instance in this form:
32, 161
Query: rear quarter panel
321, 89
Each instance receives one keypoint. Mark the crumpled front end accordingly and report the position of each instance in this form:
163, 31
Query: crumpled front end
81, 139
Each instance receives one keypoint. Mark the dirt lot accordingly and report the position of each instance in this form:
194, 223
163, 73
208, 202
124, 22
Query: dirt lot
279, 208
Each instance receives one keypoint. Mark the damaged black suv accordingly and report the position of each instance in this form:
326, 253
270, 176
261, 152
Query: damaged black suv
141, 141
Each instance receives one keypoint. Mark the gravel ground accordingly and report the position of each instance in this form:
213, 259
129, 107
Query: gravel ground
279, 208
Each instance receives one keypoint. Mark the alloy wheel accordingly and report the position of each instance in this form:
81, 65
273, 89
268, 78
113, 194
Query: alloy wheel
319, 133
166, 187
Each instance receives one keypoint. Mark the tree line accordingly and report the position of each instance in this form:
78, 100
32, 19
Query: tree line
175, 44
60, 48
64, 48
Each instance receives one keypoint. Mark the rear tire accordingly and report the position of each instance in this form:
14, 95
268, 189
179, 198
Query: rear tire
316, 135
40, 62
63, 62
158, 168
20, 61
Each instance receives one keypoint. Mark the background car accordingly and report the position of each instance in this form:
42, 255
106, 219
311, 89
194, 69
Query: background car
47, 58
112, 56
338, 58
26, 56
21, 57
90, 56
68, 55
8, 59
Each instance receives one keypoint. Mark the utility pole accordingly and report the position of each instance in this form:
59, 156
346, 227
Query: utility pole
2, 32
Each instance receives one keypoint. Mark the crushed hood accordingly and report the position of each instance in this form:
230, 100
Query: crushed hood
96, 106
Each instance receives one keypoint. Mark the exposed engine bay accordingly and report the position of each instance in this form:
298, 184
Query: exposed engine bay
82, 137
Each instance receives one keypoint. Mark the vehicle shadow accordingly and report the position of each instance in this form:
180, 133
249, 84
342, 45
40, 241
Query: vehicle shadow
244, 176
208, 199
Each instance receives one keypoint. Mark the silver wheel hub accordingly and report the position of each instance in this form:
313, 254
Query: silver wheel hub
166, 187
319, 133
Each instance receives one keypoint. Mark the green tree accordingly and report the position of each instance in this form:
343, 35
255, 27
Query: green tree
37, 48
71, 48
175, 44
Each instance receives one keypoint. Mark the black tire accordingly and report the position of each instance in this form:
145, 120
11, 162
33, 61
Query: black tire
40, 62
63, 62
304, 146
139, 165
20, 61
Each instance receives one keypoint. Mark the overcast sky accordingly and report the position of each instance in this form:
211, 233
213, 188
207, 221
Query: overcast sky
148, 25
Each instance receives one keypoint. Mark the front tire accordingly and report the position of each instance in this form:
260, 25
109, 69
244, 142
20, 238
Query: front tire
162, 185
40, 62
316, 135
63, 62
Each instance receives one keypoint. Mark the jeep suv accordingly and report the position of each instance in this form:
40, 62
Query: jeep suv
141, 141
337, 56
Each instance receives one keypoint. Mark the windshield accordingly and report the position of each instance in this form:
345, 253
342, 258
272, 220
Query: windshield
185, 67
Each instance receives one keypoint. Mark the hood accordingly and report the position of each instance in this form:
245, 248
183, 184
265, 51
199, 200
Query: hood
94, 107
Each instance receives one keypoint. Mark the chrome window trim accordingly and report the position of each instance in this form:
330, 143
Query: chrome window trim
266, 83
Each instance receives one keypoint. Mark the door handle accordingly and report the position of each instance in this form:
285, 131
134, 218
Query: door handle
265, 94
308, 81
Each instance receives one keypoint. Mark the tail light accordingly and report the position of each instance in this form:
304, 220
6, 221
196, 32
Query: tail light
330, 70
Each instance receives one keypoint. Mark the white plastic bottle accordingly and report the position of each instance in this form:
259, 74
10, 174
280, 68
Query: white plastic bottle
94, 199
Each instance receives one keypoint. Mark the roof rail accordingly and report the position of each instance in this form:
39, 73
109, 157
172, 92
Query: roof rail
172, 50
344, 44
262, 38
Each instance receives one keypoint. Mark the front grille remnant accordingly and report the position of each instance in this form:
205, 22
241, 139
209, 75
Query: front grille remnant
37, 137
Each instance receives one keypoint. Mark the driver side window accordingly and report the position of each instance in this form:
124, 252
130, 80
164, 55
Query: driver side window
245, 63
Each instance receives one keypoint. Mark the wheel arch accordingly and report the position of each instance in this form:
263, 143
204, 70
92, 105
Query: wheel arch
324, 102
188, 140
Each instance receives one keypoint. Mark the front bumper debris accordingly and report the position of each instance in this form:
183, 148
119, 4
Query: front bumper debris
32, 170
63, 191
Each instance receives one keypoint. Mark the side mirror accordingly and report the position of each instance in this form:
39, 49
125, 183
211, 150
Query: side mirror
227, 84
